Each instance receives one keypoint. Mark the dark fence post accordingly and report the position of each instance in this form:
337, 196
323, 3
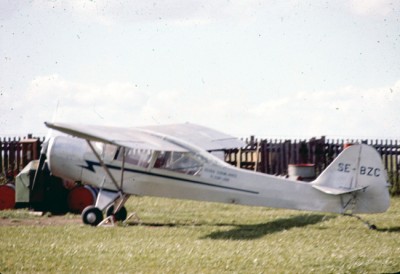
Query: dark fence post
11, 158
1, 155
6, 156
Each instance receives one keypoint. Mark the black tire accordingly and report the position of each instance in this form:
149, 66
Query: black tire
120, 215
92, 215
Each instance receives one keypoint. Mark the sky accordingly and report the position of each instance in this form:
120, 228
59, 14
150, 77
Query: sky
273, 69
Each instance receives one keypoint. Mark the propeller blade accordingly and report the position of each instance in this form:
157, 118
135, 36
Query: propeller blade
43, 151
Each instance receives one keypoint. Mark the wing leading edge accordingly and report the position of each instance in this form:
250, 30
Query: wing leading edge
162, 138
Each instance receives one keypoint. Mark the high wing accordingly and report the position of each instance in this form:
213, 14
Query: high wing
200, 136
162, 138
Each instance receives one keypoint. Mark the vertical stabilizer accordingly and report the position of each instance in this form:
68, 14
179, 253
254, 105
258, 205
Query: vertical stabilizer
359, 175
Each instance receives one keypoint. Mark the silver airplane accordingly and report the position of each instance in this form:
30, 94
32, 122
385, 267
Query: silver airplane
175, 161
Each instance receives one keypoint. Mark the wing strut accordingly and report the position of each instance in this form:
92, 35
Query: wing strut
123, 166
119, 187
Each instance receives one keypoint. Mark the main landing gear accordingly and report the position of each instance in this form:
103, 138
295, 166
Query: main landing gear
110, 202
93, 216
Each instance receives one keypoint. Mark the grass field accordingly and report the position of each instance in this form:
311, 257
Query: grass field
194, 237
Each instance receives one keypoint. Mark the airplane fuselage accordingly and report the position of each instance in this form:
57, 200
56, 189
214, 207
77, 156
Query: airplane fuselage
196, 176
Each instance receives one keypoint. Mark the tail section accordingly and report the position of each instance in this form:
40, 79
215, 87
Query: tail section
359, 176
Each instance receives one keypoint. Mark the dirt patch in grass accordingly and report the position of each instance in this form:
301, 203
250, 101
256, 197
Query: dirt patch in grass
44, 220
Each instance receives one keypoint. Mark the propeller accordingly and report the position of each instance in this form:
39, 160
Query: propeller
43, 152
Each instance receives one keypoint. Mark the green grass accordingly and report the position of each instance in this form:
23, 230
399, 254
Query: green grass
197, 237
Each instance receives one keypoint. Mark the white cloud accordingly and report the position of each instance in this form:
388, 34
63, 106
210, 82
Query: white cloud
349, 111
114, 103
346, 112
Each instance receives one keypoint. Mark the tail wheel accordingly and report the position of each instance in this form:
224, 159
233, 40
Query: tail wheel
121, 214
92, 215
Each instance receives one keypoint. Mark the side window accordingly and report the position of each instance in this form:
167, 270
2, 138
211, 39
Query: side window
136, 157
181, 162
162, 159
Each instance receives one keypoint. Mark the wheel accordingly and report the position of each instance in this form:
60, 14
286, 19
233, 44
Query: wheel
92, 215
120, 215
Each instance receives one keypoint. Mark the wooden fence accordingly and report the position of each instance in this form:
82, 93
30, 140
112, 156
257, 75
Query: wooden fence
270, 156
273, 156
16, 153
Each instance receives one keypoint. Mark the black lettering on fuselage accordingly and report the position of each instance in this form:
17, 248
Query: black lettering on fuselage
370, 171
342, 167
364, 170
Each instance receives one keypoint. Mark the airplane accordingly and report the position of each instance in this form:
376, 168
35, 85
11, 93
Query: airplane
177, 161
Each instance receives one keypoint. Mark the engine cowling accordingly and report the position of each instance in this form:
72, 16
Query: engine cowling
65, 157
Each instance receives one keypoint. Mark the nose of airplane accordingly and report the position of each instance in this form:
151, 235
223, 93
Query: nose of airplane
65, 157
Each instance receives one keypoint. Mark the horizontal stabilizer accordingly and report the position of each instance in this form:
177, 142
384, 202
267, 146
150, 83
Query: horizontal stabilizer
338, 191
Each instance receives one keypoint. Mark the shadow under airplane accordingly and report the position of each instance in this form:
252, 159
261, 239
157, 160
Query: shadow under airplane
247, 232
255, 231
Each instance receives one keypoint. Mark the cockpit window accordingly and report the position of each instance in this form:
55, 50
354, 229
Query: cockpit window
136, 157
182, 162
